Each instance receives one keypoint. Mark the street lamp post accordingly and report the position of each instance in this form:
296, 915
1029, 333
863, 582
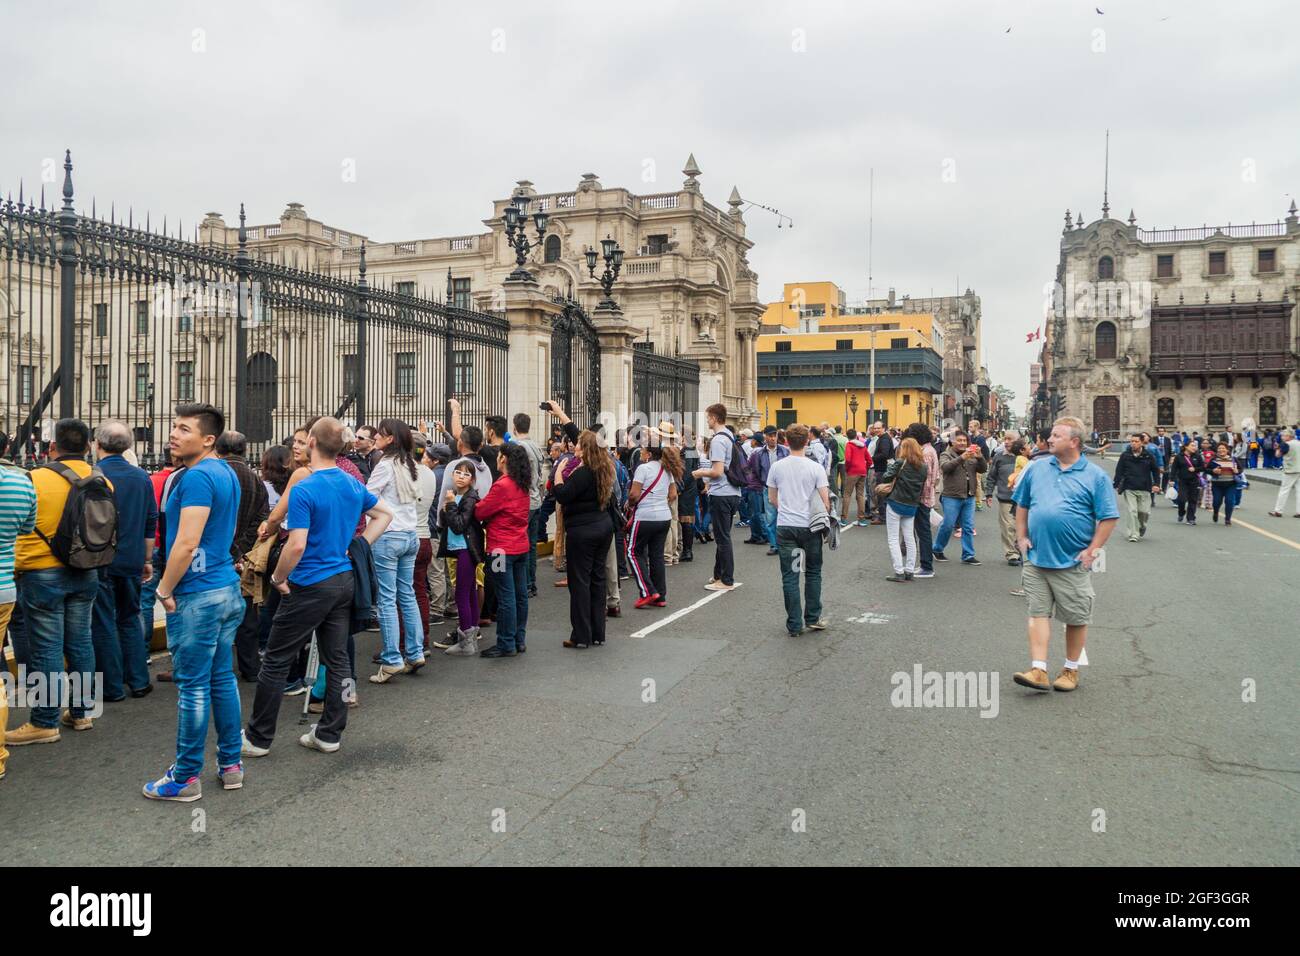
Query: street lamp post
853, 408
516, 216
613, 257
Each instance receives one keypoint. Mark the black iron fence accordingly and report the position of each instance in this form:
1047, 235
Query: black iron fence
105, 319
575, 363
664, 387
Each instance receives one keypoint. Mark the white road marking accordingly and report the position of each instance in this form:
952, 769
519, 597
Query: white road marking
682, 613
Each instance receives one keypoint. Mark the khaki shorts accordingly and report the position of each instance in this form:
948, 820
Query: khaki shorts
1064, 593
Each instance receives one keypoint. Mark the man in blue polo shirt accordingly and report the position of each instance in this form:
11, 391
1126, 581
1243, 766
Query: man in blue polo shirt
1065, 511
314, 574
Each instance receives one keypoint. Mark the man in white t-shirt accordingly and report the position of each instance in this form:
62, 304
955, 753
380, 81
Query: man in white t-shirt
1290, 473
792, 482
724, 498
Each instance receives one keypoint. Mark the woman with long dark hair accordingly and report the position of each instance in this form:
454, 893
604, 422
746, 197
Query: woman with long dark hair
1188, 466
395, 481
585, 496
651, 499
275, 471
504, 516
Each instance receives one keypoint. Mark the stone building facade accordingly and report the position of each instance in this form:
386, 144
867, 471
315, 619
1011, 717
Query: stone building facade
686, 286
1187, 328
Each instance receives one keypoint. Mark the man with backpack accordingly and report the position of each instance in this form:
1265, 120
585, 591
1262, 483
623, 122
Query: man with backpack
725, 476
58, 580
121, 651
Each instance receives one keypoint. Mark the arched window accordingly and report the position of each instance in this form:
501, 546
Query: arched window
1105, 268
552, 249
1165, 412
1268, 410
1106, 340
1215, 413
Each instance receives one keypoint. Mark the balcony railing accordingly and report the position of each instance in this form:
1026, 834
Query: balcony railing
1200, 362
663, 201
1263, 230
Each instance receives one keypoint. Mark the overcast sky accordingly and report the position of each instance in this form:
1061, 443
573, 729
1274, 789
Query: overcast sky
181, 108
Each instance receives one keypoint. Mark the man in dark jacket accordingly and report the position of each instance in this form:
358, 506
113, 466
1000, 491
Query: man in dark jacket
1137, 477
960, 466
253, 510
882, 452
121, 651
758, 466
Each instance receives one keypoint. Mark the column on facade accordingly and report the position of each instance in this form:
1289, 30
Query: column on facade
616, 336
530, 314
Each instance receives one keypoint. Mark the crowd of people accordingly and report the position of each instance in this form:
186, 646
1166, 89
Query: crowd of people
431, 534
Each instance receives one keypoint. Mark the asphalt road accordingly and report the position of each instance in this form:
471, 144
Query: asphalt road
760, 748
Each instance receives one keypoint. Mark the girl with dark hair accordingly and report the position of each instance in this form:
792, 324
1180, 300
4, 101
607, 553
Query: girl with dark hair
504, 515
275, 473
1188, 466
461, 542
1222, 470
395, 481
585, 496
651, 498
906, 477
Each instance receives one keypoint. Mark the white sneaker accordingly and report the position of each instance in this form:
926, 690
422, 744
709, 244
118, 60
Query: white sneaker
467, 646
312, 742
719, 586
249, 749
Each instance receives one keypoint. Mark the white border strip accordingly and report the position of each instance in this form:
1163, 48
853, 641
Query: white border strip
682, 613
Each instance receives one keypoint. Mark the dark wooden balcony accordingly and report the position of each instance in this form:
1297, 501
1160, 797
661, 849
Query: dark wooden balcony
1234, 340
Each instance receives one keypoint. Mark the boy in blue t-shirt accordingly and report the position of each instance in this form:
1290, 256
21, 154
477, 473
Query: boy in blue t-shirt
199, 589
314, 574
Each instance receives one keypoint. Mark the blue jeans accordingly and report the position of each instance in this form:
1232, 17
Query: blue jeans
147, 599
201, 637
703, 520
789, 541
512, 598
120, 650
757, 528
56, 607
954, 510
769, 524
536, 528
394, 555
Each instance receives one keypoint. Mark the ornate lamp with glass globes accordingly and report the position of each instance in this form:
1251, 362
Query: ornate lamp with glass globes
516, 216
613, 257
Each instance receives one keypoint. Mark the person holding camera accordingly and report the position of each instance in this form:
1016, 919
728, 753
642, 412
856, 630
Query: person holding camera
961, 464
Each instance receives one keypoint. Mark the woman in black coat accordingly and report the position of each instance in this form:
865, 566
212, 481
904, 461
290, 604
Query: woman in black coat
1188, 465
589, 533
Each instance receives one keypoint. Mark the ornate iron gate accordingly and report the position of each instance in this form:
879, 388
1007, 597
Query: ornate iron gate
107, 320
664, 387
575, 363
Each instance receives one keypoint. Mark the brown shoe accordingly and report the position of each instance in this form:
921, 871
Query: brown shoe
562, 583
316, 707
76, 723
1035, 678
614, 611
1066, 680
29, 733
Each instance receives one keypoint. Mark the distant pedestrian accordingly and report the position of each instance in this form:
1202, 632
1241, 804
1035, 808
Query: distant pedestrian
1188, 466
793, 483
905, 477
1290, 474
1137, 478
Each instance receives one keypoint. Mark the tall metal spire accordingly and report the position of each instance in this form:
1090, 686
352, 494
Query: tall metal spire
1105, 192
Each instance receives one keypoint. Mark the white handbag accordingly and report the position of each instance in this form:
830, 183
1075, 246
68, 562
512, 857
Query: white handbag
1172, 492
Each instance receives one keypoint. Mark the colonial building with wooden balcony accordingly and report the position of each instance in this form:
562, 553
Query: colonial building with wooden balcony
1187, 328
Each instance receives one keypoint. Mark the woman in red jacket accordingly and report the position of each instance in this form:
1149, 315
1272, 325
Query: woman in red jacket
504, 515
857, 462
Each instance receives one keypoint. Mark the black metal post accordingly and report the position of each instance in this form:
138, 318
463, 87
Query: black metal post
67, 295
243, 295
449, 357
363, 297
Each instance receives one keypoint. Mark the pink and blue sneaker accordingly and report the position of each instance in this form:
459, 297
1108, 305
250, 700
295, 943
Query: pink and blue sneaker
168, 787
232, 777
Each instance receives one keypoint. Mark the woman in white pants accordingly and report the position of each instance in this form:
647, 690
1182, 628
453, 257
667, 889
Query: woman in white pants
906, 474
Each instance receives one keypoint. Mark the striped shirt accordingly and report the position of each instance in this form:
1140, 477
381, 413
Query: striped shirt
17, 516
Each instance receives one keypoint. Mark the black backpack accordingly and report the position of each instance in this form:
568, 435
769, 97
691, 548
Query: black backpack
735, 469
86, 537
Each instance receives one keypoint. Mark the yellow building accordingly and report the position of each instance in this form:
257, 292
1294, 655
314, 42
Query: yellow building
815, 362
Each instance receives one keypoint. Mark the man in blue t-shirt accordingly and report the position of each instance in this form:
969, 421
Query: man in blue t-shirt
1065, 511
314, 574
199, 589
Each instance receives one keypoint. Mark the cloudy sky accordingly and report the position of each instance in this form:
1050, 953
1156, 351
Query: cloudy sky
181, 108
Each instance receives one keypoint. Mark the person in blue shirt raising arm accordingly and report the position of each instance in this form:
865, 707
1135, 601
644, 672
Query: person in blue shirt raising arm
1065, 512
